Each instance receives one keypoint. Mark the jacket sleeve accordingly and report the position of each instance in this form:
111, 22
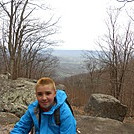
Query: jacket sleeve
24, 125
68, 122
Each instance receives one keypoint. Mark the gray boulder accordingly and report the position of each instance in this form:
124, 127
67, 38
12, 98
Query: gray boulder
106, 106
99, 125
16, 95
7, 121
8, 118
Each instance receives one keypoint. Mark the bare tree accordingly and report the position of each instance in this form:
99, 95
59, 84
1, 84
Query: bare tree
23, 34
44, 64
116, 51
94, 67
118, 55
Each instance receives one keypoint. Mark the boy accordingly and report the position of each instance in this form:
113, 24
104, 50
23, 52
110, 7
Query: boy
40, 113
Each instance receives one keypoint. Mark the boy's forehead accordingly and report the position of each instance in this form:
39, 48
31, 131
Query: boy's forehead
46, 86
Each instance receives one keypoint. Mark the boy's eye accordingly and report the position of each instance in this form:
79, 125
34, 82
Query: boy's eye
39, 94
48, 93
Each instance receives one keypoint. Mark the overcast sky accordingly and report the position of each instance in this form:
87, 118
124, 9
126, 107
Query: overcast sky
82, 22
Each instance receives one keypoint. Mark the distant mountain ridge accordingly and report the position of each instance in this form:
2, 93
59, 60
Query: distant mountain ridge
72, 53
71, 62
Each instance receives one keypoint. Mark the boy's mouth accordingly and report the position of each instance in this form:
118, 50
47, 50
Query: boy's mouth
44, 103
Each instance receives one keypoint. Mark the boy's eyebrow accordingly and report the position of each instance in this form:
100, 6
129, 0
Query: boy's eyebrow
44, 92
47, 91
39, 92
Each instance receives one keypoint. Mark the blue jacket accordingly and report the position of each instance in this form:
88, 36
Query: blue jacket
47, 125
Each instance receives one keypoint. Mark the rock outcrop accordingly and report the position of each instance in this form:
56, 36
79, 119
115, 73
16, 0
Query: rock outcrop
7, 121
16, 95
99, 125
106, 106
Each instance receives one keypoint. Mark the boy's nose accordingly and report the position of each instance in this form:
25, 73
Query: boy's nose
44, 97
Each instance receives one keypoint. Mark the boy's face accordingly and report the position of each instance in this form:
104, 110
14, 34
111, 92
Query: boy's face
45, 95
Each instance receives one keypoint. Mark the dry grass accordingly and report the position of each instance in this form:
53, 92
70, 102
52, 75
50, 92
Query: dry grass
78, 110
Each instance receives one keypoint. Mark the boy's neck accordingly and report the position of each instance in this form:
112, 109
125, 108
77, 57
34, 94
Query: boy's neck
48, 108
45, 109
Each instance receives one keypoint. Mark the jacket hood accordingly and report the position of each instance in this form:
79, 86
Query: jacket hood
60, 97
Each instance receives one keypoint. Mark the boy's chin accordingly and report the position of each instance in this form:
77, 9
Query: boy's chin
47, 106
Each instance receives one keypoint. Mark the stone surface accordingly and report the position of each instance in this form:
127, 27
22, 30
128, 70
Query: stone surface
7, 121
106, 106
98, 125
16, 95
8, 118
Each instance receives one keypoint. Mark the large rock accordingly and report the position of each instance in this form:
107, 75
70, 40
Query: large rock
106, 106
7, 121
8, 118
16, 95
99, 125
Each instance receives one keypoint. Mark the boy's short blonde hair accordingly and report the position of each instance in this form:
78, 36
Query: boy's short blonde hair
45, 81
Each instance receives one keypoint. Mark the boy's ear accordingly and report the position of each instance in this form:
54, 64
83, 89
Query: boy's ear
55, 92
